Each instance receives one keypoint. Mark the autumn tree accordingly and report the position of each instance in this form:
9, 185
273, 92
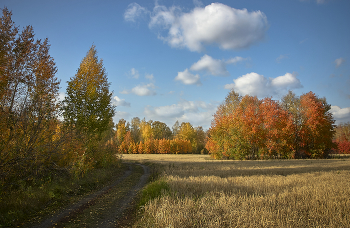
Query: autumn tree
146, 131
249, 128
312, 129
28, 102
88, 109
87, 105
161, 130
187, 132
121, 131
135, 129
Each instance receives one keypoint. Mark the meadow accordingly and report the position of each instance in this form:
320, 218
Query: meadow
200, 192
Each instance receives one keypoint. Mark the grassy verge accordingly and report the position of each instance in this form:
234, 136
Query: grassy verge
30, 204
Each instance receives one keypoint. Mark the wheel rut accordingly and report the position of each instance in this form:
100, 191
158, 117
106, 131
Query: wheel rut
105, 207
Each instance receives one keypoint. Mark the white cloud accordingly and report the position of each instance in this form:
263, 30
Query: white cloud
260, 86
142, 90
198, 113
134, 73
134, 11
120, 102
219, 24
212, 66
187, 78
339, 62
215, 66
341, 115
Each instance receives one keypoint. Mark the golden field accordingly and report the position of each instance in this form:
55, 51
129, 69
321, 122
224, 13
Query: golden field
271, 193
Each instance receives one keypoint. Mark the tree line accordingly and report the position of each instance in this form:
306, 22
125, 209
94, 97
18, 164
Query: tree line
151, 137
245, 127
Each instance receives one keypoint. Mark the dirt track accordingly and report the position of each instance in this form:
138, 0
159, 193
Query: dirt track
106, 207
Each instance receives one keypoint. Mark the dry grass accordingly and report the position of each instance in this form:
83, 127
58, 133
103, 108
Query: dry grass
273, 193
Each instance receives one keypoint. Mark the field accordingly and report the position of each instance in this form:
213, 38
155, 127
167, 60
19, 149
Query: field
201, 192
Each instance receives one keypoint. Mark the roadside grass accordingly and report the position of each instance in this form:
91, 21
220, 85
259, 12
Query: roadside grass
29, 204
272, 193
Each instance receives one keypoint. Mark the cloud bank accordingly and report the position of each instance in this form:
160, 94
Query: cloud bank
215, 24
260, 86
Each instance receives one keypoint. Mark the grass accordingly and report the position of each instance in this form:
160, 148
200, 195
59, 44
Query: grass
30, 204
274, 193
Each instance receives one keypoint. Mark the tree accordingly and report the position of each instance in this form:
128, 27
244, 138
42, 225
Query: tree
120, 131
161, 130
88, 105
176, 128
187, 132
135, 129
28, 102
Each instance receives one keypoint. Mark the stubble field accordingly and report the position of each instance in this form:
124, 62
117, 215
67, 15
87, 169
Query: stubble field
201, 192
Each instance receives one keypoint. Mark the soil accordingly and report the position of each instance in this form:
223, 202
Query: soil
112, 206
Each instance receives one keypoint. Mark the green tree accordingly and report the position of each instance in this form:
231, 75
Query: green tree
161, 130
88, 105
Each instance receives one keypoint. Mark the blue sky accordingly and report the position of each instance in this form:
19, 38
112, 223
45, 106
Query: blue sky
177, 60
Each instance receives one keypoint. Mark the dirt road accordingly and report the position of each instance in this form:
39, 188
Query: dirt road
104, 208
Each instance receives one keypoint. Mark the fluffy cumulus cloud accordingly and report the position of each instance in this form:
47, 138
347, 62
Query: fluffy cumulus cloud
258, 85
215, 67
134, 11
188, 78
142, 90
120, 102
217, 24
339, 62
341, 115
198, 113
212, 66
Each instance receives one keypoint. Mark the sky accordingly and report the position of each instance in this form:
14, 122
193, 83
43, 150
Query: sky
179, 59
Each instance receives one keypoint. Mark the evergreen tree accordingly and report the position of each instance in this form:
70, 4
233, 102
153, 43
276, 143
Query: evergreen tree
87, 105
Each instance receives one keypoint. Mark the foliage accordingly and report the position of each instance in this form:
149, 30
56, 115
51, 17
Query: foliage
87, 105
28, 105
88, 111
342, 138
249, 128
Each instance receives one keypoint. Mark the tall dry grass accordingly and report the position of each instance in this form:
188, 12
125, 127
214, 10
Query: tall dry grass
274, 193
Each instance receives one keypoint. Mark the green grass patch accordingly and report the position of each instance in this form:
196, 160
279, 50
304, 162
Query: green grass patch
153, 190
31, 203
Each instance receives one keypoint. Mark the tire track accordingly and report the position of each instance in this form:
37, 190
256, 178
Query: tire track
112, 217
